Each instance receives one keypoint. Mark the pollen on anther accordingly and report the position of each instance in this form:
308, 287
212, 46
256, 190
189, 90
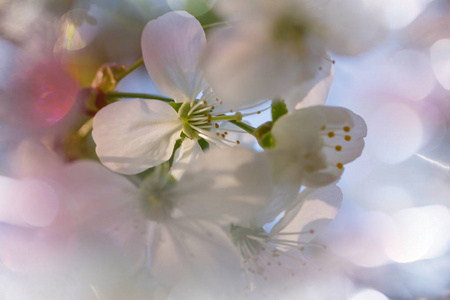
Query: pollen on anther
217, 99
258, 112
323, 127
347, 138
225, 132
338, 148
340, 165
218, 134
346, 128
212, 107
216, 125
331, 134
238, 142
223, 135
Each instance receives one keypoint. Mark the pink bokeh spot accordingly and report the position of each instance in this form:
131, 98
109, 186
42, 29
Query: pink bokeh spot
53, 92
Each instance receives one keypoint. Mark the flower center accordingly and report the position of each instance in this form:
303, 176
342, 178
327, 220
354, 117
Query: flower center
156, 195
292, 31
203, 120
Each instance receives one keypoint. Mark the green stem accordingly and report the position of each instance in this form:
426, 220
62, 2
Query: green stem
131, 68
224, 23
244, 126
112, 95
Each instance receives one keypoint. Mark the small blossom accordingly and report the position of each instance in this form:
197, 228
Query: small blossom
277, 254
313, 144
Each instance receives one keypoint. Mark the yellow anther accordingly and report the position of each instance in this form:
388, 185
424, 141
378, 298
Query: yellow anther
340, 165
347, 128
323, 127
216, 125
331, 134
347, 138
238, 142
338, 148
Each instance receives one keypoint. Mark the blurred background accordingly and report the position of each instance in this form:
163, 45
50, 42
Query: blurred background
391, 238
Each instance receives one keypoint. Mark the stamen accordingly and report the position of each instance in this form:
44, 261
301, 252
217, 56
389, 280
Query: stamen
199, 103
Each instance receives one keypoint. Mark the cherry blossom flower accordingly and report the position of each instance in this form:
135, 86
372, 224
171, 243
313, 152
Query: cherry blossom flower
313, 144
271, 47
135, 135
185, 220
59, 220
276, 255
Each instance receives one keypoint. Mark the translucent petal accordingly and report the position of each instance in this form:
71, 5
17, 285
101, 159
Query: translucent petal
313, 210
311, 92
183, 248
226, 186
171, 46
134, 135
189, 151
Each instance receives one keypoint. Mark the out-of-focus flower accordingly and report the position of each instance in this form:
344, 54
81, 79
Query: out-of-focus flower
135, 135
311, 145
185, 218
273, 46
60, 219
276, 256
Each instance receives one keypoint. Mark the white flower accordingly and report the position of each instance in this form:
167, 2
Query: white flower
185, 219
277, 254
135, 135
313, 144
273, 46
59, 220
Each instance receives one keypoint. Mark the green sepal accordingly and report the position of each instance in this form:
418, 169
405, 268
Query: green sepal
175, 105
203, 144
175, 148
278, 109
188, 131
184, 109
264, 136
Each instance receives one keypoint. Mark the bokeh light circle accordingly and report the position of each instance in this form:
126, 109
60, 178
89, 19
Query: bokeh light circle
395, 133
440, 62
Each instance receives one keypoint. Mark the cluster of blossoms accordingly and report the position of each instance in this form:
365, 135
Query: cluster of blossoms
185, 200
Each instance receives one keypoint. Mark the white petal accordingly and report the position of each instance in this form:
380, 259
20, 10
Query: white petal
189, 151
27, 203
317, 141
181, 249
312, 92
33, 159
225, 186
354, 26
134, 135
171, 46
313, 210
245, 66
